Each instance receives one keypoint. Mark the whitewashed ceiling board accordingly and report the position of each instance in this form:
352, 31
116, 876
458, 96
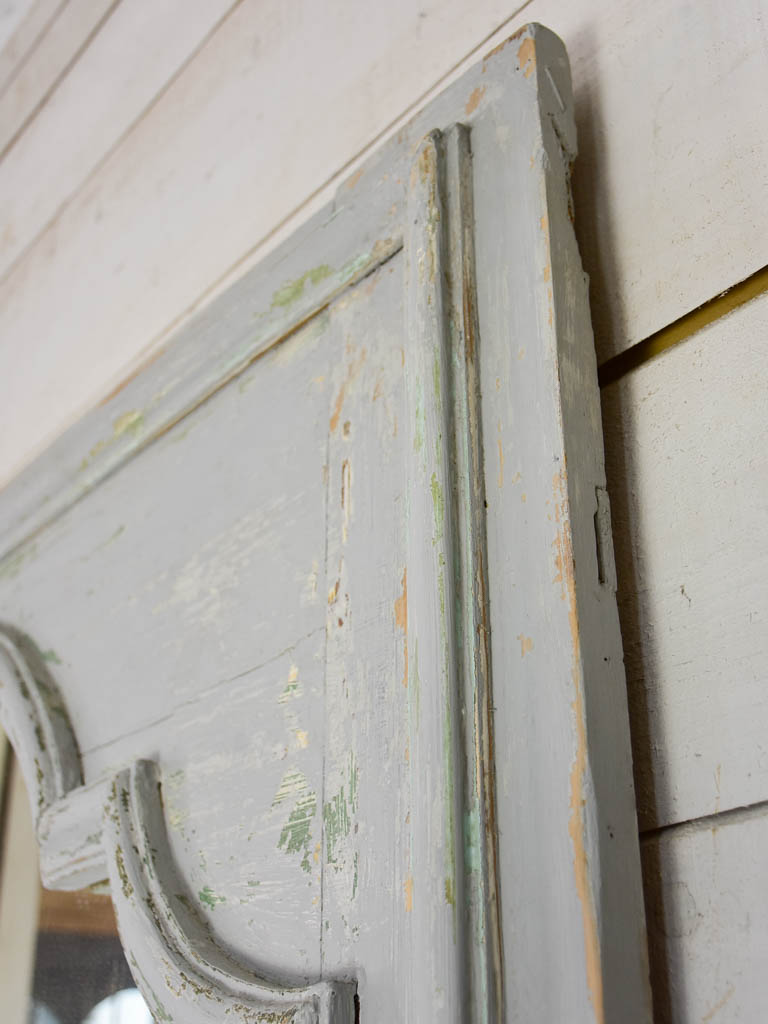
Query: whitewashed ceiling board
130, 60
13, 14
686, 442
708, 919
670, 204
56, 49
309, 537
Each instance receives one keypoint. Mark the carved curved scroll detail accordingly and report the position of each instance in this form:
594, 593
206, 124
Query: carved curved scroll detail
182, 972
36, 721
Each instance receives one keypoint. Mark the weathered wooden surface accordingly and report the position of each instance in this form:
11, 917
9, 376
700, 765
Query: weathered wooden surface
707, 904
263, 567
671, 186
686, 441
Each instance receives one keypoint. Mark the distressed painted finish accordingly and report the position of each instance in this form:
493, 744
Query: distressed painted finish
167, 941
343, 555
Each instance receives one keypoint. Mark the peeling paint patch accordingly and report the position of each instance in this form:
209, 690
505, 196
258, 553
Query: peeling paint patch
526, 57
526, 644
408, 894
353, 370
339, 811
289, 292
209, 897
401, 621
296, 833
578, 777
292, 688
474, 99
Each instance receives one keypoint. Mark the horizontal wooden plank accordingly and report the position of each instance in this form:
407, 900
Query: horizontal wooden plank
707, 910
13, 14
22, 42
131, 59
687, 458
664, 221
58, 46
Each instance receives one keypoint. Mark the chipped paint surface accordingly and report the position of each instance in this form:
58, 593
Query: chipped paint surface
526, 644
526, 56
209, 897
289, 292
401, 621
474, 100
565, 578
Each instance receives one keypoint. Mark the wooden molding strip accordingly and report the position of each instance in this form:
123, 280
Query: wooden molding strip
33, 714
181, 971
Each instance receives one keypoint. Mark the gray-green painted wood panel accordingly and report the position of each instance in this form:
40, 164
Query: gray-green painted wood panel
326, 596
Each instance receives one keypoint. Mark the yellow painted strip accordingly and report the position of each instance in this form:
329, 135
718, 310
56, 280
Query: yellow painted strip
684, 328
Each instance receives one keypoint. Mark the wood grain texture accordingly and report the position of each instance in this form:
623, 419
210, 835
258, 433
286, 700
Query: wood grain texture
26, 32
660, 234
686, 442
130, 60
62, 43
707, 906
77, 913
13, 13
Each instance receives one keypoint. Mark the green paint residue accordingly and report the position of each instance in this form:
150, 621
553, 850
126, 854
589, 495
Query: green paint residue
339, 811
353, 267
293, 290
130, 422
355, 876
209, 897
291, 691
293, 782
449, 895
296, 835
438, 508
420, 420
436, 377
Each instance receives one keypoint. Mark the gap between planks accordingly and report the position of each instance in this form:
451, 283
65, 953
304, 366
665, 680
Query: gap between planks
115, 145
731, 816
683, 328
86, 42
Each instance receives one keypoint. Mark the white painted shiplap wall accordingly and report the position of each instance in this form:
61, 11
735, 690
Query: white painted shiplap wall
152, 152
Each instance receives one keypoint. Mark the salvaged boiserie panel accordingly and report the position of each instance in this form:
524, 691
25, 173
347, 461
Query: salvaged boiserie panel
311, 643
